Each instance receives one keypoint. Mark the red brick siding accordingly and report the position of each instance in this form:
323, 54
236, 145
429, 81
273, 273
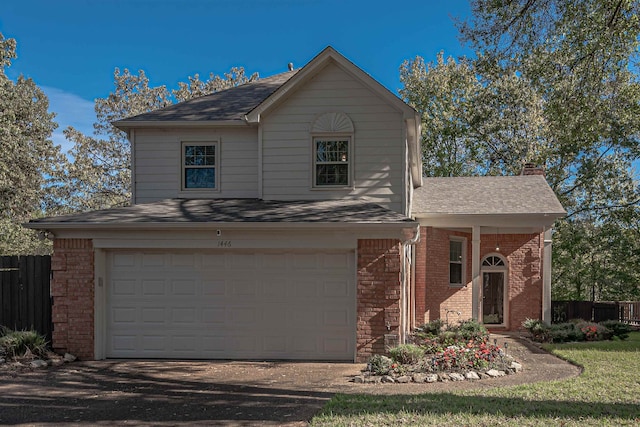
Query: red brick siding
434, 295
378, 294
524, 256
73, 297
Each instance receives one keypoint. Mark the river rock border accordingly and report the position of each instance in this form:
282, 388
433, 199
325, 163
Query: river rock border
420, 377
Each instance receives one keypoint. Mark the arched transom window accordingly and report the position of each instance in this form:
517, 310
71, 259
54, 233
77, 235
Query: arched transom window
493, 261
332, 135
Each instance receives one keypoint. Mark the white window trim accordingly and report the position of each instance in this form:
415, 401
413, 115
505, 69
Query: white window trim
463, 275
350, 163
193, 191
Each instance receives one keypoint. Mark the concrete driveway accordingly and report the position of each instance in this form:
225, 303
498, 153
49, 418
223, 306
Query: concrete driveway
171, 392
160, 392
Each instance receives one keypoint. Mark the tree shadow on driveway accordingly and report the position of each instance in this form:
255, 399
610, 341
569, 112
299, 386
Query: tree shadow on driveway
168, 392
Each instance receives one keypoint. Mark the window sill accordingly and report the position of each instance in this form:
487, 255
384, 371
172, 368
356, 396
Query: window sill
333, 188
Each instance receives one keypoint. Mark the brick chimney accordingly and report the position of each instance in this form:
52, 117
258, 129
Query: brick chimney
532, 169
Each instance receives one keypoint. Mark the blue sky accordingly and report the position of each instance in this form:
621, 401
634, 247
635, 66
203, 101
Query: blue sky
71, 47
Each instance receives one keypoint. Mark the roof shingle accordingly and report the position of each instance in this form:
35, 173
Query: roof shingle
486, 195
225, 105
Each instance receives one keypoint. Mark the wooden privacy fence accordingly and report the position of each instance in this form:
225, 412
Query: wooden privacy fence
25, 296
598, 311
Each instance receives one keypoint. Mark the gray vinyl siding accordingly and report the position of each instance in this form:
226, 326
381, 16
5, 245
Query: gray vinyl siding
158, 163
379, 146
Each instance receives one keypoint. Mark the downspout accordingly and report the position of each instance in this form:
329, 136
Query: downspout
405, 278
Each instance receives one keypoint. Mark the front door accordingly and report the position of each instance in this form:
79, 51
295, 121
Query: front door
493, 298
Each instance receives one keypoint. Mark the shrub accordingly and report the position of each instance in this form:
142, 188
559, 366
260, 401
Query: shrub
594, 331
429, 330
538, 330
468, 330
618, 329
380, 365
16, 343
407, 354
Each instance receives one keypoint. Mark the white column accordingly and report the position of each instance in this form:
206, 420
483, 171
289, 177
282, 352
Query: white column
475, 272
546, 277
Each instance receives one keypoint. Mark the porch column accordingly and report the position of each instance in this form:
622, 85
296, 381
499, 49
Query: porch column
546, 277
475, 272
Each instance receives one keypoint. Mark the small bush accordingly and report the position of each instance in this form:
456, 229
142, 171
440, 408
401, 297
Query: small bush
407, 354
538, 330
469, 330
380, 365
429, 330
618, 329
16, 343
594, 331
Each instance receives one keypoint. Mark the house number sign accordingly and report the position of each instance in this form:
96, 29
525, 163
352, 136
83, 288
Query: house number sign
224, 243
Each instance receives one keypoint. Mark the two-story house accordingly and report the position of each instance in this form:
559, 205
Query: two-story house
287, 218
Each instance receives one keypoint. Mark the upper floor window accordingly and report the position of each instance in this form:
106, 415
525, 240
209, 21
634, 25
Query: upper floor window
199, 166
332, 161
332, 139
456, 262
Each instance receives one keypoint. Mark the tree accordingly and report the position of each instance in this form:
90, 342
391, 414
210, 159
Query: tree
557, 85
100, 174
28, 158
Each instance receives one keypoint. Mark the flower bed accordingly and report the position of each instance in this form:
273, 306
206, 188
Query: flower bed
438, 353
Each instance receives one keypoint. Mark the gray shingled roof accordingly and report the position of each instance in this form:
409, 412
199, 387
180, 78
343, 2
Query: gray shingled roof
486, 195
229, 104
181, 211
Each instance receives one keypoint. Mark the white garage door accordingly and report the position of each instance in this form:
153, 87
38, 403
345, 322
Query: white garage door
208, 305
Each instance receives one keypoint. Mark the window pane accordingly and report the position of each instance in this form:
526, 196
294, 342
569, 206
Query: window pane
200, 178
333, 174
199, 155
332, 151
455, 274
455, 251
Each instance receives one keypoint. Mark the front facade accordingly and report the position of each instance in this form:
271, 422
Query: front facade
277, 220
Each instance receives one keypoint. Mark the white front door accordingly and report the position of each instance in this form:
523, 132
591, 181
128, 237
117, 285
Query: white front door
240, 305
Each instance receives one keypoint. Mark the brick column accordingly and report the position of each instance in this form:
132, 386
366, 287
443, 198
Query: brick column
379, 286
72, 289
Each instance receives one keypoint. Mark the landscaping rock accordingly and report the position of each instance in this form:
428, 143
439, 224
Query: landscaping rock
516, 367
443, 377
494, 373
431, 378
454, 376
419, 378
2, 360
483, 376
372, 380
387, 379
68, 357
471, 375
358, 379
38, 363
403, 379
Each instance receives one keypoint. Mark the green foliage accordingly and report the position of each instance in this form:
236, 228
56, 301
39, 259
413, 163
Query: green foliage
16, 343
407, 353
617, 328
471, 330
380, 364
429, 330
554, 83
28, 157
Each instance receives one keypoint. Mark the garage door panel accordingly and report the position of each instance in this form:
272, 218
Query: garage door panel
231, 305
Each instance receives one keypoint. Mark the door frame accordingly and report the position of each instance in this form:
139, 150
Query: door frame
505, 292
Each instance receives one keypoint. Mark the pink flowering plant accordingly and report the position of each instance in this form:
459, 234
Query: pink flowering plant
436, 348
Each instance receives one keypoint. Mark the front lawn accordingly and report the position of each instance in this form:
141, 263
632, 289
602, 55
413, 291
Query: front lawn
607, 393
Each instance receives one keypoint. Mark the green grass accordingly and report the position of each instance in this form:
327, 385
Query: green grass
606, 394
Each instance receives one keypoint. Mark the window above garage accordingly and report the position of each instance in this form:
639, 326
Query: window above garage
200, 166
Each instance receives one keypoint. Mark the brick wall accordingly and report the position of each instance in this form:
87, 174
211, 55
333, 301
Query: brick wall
432, 257
434, 295
524, 256
378, 295
73, 297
